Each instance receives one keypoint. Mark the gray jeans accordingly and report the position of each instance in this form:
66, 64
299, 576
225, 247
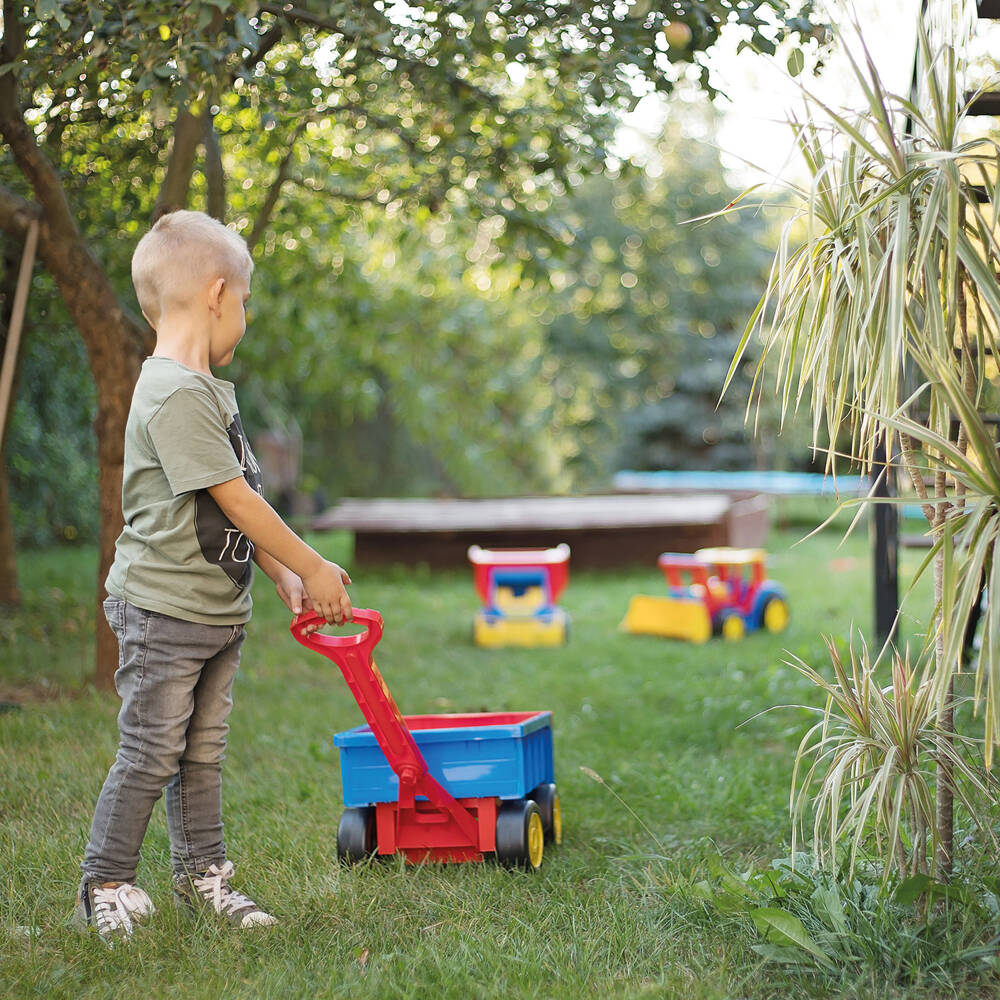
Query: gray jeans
175, 679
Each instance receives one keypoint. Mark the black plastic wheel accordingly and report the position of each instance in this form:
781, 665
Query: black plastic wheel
546, 797
520, 835
356, 835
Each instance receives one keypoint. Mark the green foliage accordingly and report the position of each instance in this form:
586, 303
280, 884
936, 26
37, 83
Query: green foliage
431, 359
648, 312
342, 128
552, 373
50, 451
461, 363
875, 754
441, 103
840, 927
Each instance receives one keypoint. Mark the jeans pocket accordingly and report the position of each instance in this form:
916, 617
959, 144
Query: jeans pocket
114, 611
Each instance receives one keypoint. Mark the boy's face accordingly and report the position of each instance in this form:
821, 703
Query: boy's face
231, 320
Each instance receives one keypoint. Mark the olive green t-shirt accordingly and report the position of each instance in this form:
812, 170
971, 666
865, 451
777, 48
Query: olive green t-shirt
179, 554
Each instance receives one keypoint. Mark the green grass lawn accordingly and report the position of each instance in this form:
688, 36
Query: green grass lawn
674, 730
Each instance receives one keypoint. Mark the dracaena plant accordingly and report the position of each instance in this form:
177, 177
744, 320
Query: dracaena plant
882, 322
866, 770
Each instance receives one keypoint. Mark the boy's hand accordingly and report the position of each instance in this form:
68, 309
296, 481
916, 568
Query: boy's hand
325, 589
292, 591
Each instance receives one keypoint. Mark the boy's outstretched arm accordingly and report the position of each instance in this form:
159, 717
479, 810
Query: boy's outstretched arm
324, 581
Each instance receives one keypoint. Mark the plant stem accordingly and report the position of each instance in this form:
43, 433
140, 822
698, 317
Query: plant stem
945, 789
916, 478
945, 820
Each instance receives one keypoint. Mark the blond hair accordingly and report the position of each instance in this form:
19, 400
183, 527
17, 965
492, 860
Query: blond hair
180, 256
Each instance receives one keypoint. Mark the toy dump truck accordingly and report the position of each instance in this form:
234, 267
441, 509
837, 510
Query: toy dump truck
519, 589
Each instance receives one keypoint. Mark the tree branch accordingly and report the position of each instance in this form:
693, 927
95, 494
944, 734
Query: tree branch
354, 197
288, 12
268, 40
16, 214
263, 219
189, 129
11, 49
215, 175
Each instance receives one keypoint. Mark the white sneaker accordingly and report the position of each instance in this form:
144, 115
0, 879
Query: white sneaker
211, 890
113, 909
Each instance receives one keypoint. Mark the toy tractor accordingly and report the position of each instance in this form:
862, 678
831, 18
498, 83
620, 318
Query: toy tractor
719, 591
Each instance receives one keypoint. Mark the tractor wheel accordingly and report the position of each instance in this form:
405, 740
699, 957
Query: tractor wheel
732, 626
775, 616
546, 797
520, 835
356, 835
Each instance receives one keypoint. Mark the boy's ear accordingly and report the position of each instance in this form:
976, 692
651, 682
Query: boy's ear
215, 291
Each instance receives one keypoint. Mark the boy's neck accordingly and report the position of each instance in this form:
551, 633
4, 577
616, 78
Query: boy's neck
184, 340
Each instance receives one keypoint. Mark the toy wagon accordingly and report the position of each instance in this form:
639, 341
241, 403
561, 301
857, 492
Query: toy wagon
436, 787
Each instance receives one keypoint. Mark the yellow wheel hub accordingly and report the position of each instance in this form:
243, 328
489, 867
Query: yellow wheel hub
733, 627
556, 820
776, 615
536, 840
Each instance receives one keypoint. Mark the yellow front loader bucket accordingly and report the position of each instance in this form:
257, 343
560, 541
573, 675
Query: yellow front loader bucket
670, 617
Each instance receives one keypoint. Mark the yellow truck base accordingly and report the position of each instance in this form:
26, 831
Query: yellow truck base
670, 617
494, 632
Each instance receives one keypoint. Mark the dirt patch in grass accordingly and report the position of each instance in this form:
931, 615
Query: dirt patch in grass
17, 694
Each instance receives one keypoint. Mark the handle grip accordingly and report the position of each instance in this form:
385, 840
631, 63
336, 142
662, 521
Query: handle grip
353, 654
331, 645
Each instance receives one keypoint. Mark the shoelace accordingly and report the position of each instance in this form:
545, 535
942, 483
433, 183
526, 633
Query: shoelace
113, 908
213, 886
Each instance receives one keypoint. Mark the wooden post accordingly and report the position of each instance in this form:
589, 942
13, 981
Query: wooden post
16, 322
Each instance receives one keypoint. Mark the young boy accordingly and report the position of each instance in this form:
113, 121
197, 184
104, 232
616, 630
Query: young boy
179, 588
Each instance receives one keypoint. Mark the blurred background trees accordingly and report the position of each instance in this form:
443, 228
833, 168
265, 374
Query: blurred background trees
476, 337
460, 365
418, 187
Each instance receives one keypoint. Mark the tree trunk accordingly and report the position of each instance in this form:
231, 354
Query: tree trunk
115, 343
215, 175
946, 724
189, 131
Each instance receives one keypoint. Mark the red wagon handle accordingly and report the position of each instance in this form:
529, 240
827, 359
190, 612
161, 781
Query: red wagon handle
326, 644
353, 654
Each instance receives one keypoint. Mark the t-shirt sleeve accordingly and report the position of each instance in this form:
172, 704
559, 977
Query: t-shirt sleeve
192, 443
